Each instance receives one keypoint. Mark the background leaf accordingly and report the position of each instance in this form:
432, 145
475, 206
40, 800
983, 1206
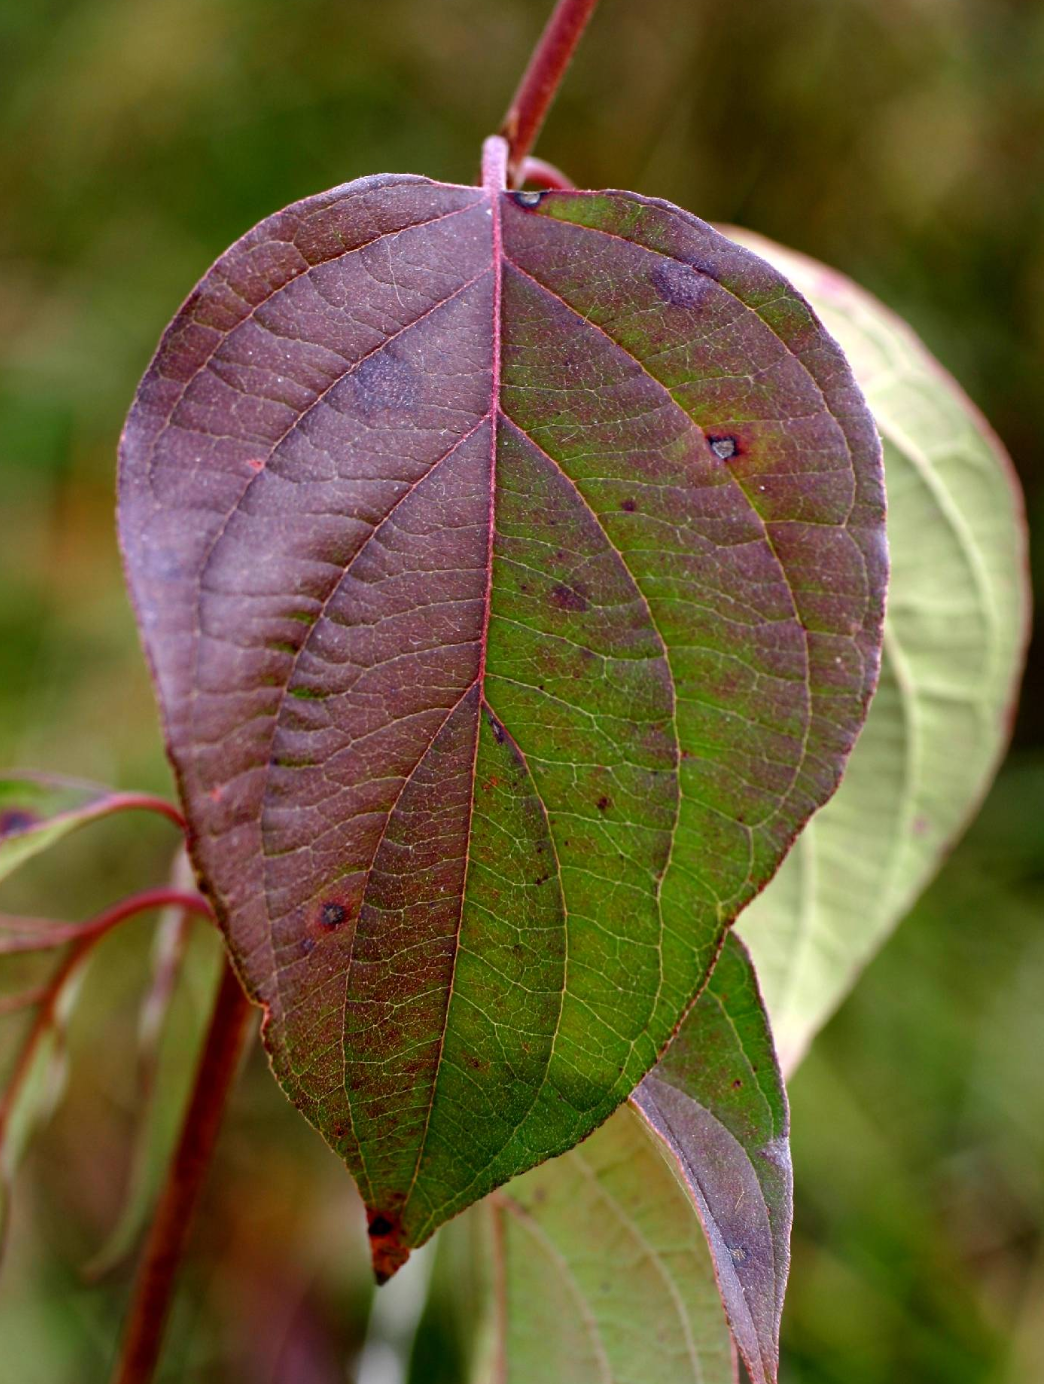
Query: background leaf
716, 1101
955, 634
511, 568
613, 1261
604, 1271
37, 810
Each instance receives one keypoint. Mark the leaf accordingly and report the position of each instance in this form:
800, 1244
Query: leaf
37, 810
511, 569
718, 1103
600, 1272
955, 636
595, 1267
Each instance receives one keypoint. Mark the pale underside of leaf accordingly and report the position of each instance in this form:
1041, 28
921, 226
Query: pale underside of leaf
955, 634
604, 1275
512, 580
717, 1108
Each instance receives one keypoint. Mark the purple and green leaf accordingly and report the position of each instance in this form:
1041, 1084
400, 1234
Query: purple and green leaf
511, 567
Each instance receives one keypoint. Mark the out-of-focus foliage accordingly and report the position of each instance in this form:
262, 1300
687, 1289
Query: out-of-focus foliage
950, 671
901, 141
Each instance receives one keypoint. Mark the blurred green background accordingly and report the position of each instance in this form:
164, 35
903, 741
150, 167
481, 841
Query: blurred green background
900, 140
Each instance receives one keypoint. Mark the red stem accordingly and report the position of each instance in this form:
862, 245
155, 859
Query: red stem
39, 934
168, 1235
541, 80
543, 174
124, 802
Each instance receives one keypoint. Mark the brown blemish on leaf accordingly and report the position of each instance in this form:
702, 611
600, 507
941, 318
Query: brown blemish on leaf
389, 1253
628, 506
603, 804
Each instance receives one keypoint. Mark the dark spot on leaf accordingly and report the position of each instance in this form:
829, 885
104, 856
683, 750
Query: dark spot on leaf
380, 1225
14, 821
499, 734
628, 505
737, 1084
307, 945
382, 384
527, 198
565, 598
332, 914
681, 285
723, 447
604, 803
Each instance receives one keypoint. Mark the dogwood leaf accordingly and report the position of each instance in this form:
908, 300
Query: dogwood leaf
955, 636
511, 567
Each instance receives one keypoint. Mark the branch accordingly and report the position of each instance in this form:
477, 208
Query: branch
165, 1247
543, 174
41, 934
541, 80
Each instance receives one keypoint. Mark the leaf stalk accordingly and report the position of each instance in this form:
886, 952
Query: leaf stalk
541, 80
168, 1235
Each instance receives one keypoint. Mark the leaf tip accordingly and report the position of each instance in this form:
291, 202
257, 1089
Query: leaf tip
386, 1245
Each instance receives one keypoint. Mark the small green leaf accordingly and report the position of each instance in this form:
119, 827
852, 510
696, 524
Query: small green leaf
37, 810
955, 633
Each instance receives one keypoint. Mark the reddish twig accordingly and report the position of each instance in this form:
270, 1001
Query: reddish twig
541, 80
147, 802
543, 174
41, 934
168, 1235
